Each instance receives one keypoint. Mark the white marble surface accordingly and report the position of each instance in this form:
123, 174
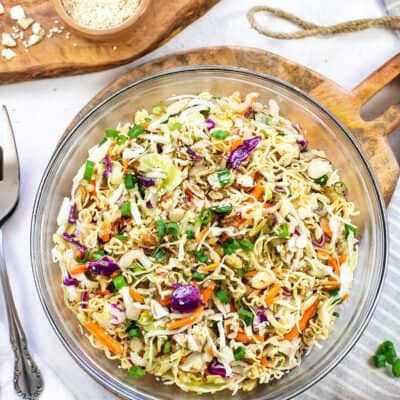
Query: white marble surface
41, 110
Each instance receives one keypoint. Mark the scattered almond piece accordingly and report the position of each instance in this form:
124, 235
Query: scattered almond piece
25, 23
17, 12
8, 54
7, 40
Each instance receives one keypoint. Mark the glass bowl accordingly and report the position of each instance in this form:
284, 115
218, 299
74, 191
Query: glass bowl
324, 132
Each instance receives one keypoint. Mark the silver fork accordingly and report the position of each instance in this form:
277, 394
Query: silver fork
27, 379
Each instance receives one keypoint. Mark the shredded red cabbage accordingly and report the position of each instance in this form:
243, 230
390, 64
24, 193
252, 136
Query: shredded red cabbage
215, 368
242, 152
210, 124
149, 204
71, 240
108, 165
320, 242
249, 113
145, 182
260, 313
105, 266
302, 142
72, 214
286, 292
84, 299
279, 189
70, 282
298, 127
193, 155
185, 298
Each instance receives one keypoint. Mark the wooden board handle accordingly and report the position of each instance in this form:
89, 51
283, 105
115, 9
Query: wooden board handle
371, 135
390, 120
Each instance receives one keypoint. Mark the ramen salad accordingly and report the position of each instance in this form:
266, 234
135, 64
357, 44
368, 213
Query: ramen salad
206, 244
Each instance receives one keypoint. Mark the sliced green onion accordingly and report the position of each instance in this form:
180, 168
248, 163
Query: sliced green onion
102, 141
189, 234
84, 259
205, 216
102, 217
98, 255
121, 139
264, 118
222, 296
159, 255
201, 256
340, 188
223, 209
119, 282
396, 368
136, 372
349, 229
198, 276
160, 224
336, 314
167, 347
219, 134
126, 209
136, 131
130, 181
224, 177
112, 133
230, 246
246, 245
89, 169
174, 126
322, 180
246, 315
133, 332
158, 109
121, 237
282, 231
173, 229
388, 350
138, 268
379, 360
148, 119
239, 353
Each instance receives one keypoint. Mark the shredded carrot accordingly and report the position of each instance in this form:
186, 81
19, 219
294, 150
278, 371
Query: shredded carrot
102, 292
166, 301
323, 252
250, 274
242, 337
92, 186
104, 338
105, 231
125, 163
146, 124
232, 306
267, 205
258, 191
242, 221
236, 143
342, 258
327, 230
189, 320
135, 295
264, 362
209, 268
334, 265
183, 360
345, 297
79, 254
189, 193
208, 291
272, 293
308, 314
79, 269
201, 235
114, 274
256, 175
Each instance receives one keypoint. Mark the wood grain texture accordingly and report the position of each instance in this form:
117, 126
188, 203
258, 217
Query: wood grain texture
60, 56
372, 135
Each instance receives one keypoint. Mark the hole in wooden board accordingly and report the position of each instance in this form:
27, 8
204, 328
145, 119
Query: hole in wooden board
377, 105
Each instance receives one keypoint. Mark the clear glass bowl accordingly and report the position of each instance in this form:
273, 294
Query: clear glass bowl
324, 132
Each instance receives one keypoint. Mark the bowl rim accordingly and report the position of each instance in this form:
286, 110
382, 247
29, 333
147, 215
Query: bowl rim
100, 33
86, 365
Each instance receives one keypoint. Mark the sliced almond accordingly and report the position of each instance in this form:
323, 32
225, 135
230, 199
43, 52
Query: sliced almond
25, 23
7, 40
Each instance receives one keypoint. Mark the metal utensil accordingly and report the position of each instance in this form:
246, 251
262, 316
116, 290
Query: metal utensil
27, 379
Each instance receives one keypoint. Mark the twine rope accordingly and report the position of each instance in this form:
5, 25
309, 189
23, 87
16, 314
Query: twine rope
310, 29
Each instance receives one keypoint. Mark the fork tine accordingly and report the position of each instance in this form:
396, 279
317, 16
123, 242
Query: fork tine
9, 156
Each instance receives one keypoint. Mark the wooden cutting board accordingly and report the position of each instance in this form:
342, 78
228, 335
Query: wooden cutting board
372, 135
59, 55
